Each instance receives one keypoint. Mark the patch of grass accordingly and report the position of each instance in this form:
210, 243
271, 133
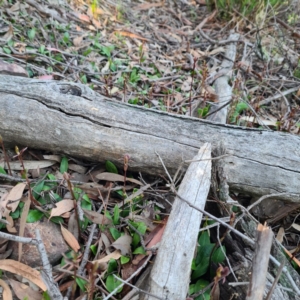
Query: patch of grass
252, 9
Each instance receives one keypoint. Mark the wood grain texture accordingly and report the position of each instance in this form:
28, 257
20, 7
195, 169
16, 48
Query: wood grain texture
170, 276
35, 113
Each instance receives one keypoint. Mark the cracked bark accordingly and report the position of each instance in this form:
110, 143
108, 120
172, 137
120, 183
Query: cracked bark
40, 114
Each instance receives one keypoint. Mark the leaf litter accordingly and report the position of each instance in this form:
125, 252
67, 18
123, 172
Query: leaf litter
143, 55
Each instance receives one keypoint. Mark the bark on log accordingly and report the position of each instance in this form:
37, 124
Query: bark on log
49, 115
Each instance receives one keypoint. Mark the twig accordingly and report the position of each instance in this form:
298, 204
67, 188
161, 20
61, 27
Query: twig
129, 278
267, 284
275, 282
52, 287
226, 257
279, 95
82, 277
87, 247
219, 108
265, 197
222, 42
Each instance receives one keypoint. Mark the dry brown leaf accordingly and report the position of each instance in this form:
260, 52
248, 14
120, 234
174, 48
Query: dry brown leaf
22, 291
14, 196
130, 34
116, 177
8, 35
146, 6
30, 164
73, 225
56, 158
12, 69
23, 218
114, 255
123, 244
78, 40
96, 218
66, 215
296, 226
18, 268
280, 235
78, 168
10, 226
62, 206
6, 293
70, 239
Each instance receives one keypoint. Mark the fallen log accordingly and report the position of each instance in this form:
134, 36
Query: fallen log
72, 119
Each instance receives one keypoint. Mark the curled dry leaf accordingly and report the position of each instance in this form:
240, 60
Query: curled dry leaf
96, 217
24, 291
18, 268
6, 293
62, 207
123, 244
13, 198
70, 239
116, 177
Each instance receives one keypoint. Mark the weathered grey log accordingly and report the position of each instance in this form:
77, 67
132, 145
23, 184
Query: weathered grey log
39, 114
170, 275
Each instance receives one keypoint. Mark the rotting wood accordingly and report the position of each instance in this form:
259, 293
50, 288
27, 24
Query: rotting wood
38, 114
170, 275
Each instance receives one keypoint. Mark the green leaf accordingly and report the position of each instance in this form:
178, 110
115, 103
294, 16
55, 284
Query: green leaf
36, 190
2, 171
115, 233
93, 249
66, 37
57, 220
141, 228
34, 216
218, 256
116, 214
124, 260
107, 215
139, 250
112, 266
202, 261
110, 167
112, 283
83, 79
51, 177
106, 50
46, 296
15, 214
198, 286
6, 50
31, 34
64, 165
204, 238
81, 283
42, 49
241, 106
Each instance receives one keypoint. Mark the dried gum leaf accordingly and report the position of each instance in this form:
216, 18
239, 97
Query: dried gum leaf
18, 268
70, 239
